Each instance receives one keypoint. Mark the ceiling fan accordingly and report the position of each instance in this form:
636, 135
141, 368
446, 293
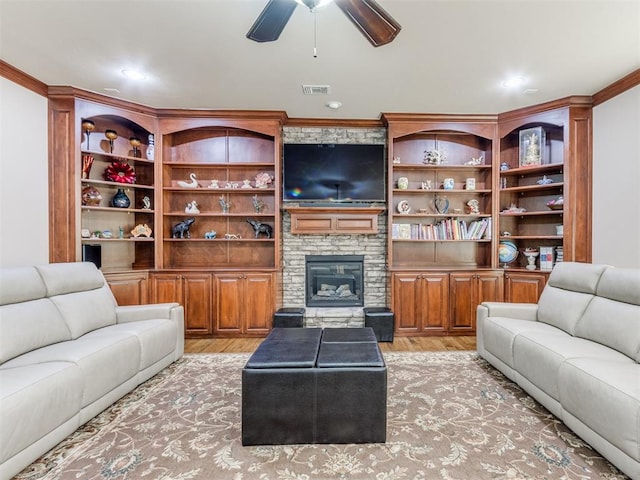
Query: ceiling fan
370, 18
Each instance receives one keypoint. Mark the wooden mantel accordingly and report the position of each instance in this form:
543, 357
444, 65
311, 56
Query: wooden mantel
334, 220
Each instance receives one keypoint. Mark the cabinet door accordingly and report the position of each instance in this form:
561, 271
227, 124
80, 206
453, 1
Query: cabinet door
129, 288
434, 303
259, 303
198, 311
521, 287
406, 294
229, 294
166, 288
468, 290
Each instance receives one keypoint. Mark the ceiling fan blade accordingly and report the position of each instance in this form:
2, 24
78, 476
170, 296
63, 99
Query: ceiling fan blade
372, 20
272, 20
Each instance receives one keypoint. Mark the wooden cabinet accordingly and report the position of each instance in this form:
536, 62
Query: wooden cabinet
194, 291
130, 288
467, 291
421, 302
524, 287
245, 303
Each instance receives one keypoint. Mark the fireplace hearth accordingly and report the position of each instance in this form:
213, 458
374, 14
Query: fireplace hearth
334, 280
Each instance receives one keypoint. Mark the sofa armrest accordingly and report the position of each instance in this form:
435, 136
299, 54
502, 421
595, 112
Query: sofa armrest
520, 311
134, 313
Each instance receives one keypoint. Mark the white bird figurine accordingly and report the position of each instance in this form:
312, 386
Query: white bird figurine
192, 184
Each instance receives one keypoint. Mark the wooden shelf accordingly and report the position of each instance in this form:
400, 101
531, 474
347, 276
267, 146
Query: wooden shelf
116, 184
528, 171
337, 220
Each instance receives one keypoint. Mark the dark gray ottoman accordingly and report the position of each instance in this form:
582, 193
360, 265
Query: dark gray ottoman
381, 320
298, 388
288, 317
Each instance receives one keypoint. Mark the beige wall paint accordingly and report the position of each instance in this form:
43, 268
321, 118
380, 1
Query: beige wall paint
24, 193
616, 180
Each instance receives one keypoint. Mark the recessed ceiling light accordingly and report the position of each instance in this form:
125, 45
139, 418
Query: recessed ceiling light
513, 82
133, 74
334, 104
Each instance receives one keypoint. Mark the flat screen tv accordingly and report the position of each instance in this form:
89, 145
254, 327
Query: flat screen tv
335, 173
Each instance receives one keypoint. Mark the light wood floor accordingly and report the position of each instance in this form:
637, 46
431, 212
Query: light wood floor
399, 344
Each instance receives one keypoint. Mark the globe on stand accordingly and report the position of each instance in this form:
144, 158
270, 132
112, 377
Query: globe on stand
507, 252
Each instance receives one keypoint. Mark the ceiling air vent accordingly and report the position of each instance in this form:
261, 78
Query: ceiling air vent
315, 89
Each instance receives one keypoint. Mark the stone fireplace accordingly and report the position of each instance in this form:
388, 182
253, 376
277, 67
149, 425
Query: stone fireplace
372, 247
334, 280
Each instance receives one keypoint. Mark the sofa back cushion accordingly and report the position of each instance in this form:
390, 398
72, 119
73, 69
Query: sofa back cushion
613, 317
570, 289
81, 294
27, 320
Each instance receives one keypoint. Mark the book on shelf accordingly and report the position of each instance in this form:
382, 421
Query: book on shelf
446, 229
559, 254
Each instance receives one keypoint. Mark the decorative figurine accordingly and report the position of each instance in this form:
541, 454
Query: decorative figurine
396, 160
504, 166
88, 126
531, 254
258, 205
434, 157
474, 206
121, 232
151, 147
259, 228
135, 143
263, 180
210, 235
182, 228
426, 185
246, 183
225, 204
441, 204
476, 161
448, 183
192, 207
544, 180
140, 230
192, 184
232, 236
146, 203
214, 184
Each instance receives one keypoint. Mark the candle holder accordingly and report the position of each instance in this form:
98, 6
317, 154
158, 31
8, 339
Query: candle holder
111, 136
135, 143
87, 127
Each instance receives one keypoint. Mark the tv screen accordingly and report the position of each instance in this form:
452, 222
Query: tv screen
334, 173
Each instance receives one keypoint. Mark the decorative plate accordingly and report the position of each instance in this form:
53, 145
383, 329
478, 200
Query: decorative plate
120, 172
404, 207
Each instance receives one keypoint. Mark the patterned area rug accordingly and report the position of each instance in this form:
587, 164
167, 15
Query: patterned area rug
450, 416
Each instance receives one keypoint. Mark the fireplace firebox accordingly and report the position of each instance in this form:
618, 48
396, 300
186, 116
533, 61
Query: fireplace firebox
334, 280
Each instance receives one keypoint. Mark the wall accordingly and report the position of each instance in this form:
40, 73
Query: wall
296, 247
24, 194
616, 180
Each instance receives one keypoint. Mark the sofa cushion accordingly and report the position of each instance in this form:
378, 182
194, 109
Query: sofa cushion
30, 325
157, 338
538, 355
613, 317
86, 311
499, 334
50, 392
604, 395
61, 278
570, 288
106, 360
20, 284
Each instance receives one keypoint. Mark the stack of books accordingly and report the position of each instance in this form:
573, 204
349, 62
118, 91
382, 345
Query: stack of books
546, 258
559, 254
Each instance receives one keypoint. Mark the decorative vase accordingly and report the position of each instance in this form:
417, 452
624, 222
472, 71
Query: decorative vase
151, 149
91, 196
403, 183
120, 199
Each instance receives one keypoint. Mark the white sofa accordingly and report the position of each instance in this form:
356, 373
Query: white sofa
577, 352
68, 351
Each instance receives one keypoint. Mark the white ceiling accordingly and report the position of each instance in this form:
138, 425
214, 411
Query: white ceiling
450, 56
